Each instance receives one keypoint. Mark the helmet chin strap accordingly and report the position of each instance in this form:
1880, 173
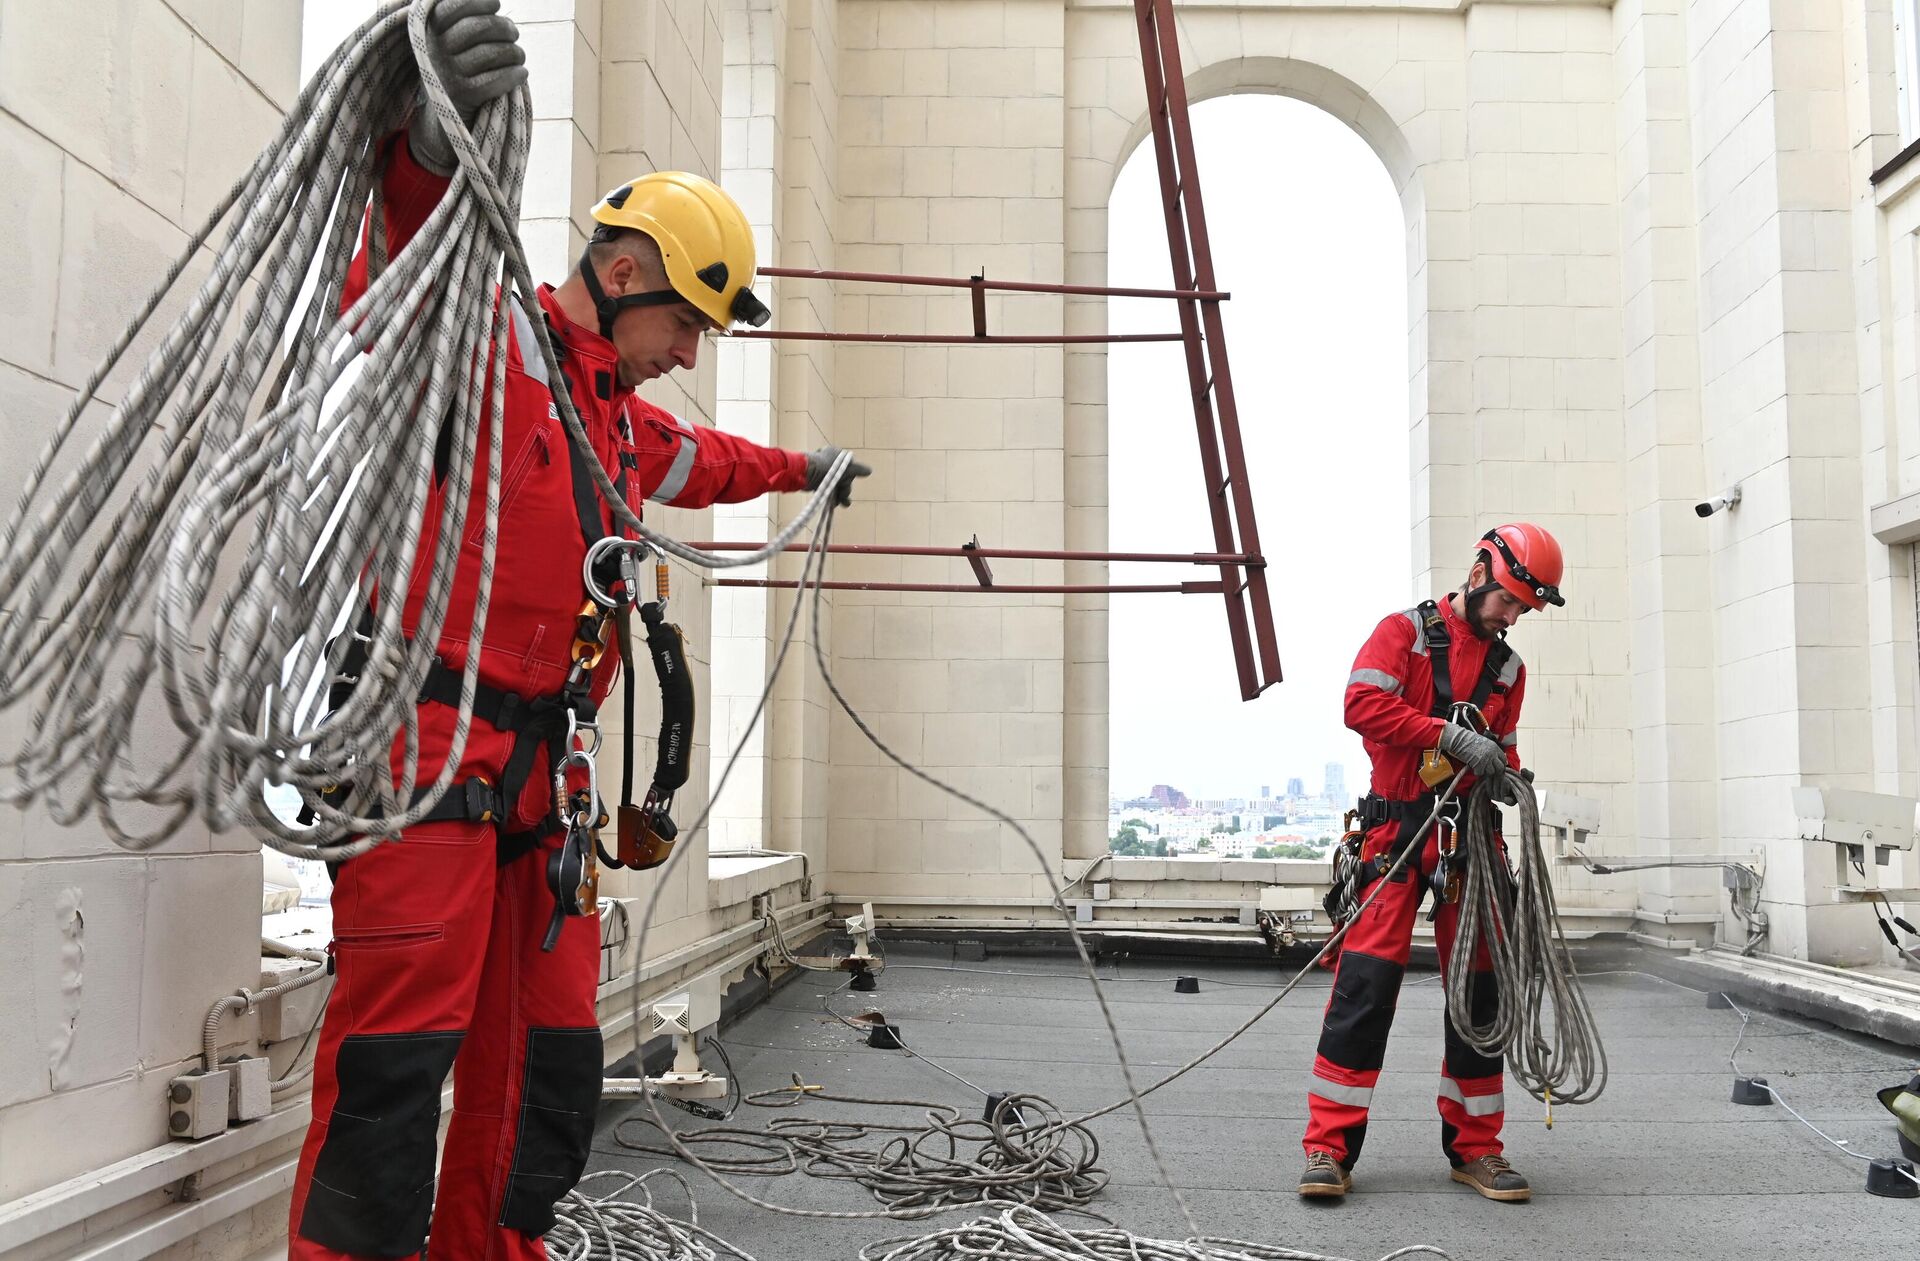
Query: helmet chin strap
1474, 597
608, 309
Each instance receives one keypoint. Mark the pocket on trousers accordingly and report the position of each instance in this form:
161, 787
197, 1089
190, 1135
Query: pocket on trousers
390, 937
559, 1097
372, 1187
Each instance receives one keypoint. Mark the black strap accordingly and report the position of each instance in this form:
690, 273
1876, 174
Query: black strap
504, 710
1374, 810
1439, 642
1498, 654
466, 801
1433, 628
623, 626
586, 496
535, 725
674, 753
608, 309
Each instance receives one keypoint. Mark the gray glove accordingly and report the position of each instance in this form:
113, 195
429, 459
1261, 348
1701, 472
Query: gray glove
820, 461
477, 53
1482, 756
1506, 793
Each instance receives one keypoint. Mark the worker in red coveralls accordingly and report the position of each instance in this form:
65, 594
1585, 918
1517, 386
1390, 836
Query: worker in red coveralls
438, 938
1401, 698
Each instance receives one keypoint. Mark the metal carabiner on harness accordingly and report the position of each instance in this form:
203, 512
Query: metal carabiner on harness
1469, 715
614, 557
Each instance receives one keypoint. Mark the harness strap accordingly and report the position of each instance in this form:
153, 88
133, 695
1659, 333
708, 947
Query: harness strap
534, 724
1433, 628
586, 496
1438, 642
1498, 654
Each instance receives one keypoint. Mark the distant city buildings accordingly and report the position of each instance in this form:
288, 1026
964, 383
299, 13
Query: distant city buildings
1336, 784
1169, 823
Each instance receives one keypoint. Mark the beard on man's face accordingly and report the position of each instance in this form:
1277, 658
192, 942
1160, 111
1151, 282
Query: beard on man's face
1476, 620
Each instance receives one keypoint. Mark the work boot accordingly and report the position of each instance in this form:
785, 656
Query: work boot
1324, 1178
1494, 1178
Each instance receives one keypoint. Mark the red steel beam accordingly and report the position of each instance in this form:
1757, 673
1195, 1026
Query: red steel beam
1010, 286
950, 339
1007, 553
969, 588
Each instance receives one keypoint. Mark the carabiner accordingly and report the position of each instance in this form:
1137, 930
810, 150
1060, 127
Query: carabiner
632, 553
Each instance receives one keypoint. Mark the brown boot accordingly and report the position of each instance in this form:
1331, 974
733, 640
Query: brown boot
1324, 1178
1494, 1178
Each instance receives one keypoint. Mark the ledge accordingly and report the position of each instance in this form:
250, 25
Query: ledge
1897, 520
1880, 1007
1897, 165
736, 878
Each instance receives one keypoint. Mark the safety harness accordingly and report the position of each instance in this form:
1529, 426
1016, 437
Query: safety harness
1352, 874
565, 724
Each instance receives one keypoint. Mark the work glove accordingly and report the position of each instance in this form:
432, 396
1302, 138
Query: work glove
1484, 757
477, 52
1509, 795
820, 461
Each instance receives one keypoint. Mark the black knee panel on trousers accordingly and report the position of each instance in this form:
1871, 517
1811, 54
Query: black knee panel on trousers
1355, 1137
1354, 1034
558, 1101
1449, 1135
372, 1190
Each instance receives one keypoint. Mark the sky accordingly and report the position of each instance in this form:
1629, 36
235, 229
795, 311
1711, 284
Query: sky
1308, 237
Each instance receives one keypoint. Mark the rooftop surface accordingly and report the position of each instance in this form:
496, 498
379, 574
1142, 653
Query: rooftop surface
1663, 1165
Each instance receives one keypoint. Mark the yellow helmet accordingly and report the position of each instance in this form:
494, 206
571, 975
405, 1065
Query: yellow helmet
704, 241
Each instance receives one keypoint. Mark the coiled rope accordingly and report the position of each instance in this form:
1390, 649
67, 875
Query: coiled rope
1020, 1234
622, 1224
1022, 1154
1542, 1024
267, 470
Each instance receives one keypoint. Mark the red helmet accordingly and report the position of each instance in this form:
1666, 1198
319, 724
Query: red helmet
1524, 559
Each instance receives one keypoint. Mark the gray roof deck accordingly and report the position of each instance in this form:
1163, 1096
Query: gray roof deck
1663, 1165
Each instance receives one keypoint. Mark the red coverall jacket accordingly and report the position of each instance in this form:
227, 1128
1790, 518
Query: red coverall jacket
537, 591
1390, 694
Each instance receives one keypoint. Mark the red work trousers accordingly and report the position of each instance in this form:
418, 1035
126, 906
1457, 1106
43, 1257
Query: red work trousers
1353, 1036
438, 961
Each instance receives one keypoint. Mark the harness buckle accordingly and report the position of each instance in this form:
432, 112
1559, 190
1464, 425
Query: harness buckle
481, 802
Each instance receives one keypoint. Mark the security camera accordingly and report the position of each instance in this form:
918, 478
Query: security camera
1728, 499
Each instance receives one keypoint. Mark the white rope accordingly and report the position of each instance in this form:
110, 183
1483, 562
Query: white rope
1024, 1234
622, 1224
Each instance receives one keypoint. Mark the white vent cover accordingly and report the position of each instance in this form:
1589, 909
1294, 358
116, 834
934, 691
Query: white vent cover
673, 1016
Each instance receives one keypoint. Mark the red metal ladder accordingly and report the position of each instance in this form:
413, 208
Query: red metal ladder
1222, 458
